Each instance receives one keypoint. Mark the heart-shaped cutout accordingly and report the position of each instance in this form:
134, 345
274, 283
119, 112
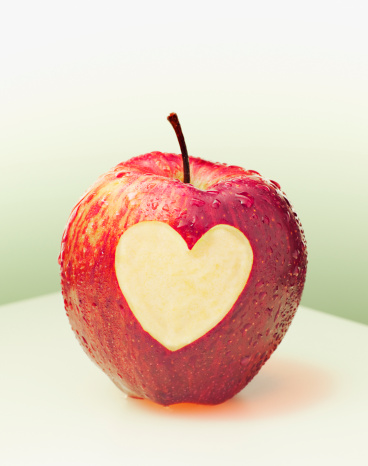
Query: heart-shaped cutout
175, 293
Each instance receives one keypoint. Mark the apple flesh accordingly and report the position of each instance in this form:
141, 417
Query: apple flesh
180, 292
177, 294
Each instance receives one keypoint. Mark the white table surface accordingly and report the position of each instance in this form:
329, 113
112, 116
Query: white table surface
308, 405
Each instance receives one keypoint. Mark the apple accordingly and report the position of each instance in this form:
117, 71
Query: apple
181, 282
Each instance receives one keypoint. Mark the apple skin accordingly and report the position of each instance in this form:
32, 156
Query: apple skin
222, 362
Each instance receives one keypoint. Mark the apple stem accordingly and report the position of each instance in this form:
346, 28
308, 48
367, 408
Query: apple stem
174, 120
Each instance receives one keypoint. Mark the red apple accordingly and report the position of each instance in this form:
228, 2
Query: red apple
181, 291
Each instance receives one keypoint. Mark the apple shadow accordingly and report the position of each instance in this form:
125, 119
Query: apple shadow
282, 386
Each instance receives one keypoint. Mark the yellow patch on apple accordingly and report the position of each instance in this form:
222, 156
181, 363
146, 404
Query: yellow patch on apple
178, 294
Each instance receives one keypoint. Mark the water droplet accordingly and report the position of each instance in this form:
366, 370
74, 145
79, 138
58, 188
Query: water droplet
287, 201
198, 202
266, 220
275, 183
259, 285
296, 271
245, 199
212, 191
216, 204
264, 188
246, 327
253, 172
295, 254
182, 222
268, 310
166, 207
245, 361
154, 205
262, 295
193, 220
120, 174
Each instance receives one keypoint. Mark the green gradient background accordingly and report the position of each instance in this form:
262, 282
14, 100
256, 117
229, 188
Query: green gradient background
270, 87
